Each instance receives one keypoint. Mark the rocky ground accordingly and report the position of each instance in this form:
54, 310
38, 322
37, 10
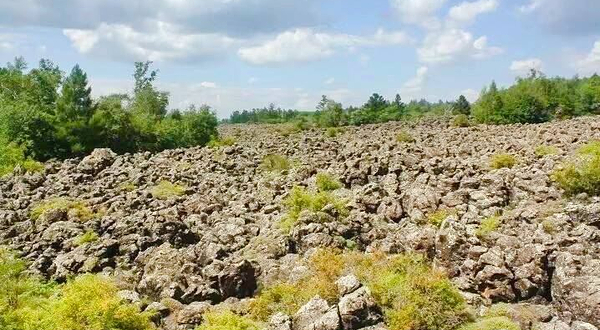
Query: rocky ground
221, 239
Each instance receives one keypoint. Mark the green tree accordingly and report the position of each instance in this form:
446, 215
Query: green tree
462, 106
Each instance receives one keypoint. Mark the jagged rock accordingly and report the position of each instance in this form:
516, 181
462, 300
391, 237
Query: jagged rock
358, 309
309, 314
280, 321
238, 280
98, 160
347, 284
192, 314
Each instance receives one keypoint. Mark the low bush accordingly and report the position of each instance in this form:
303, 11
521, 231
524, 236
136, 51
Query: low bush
438, 217
87, 237
542, 151
77, 209
413, 295
275, 163
326, 182
300, 200
127, 186
12, 156
334, 131
487, 226
165, 190
461, 120
221, 142
492, 323
227, 320
499, 161
583, 174
404, 137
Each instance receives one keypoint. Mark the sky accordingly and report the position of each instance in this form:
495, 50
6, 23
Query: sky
242, 54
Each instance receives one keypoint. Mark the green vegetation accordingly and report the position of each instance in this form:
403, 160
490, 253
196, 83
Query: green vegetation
326, 182
166, 190
404, 137
583, 174
499, 161
333, 131
492, 323
413, 294
227, 320
275, 163
46, 114
87, 237
221, 142
488, 226
77, 209
543, 150
536, 99
127, 186
461, 120
300, 200
438, 217
88, 302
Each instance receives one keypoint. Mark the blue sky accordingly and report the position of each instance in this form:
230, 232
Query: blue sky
236, 54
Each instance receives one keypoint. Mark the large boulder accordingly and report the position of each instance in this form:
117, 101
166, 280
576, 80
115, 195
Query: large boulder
98, 160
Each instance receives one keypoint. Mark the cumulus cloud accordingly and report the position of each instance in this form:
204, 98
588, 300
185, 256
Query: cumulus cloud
470, 94
420, 12
591, 63
523, 67
446, 46
329, 81
564, 17
164, 43
415, 84
302, 45
466, 12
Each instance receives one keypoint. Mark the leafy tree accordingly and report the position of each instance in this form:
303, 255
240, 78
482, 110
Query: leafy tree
462, 106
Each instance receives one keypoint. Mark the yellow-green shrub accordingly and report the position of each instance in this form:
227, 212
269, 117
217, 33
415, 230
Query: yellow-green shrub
326, 182
487, 226
300, 200
275, 163
438, 217
583, 174
166, 190
76, 208
542, 151
87, 237
404, 137
221, 142
461, 120
503, 161
492, 323
227, 320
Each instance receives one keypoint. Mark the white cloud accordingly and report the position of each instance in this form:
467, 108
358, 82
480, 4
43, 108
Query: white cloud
591, 63
208, 84
420, 12
252, 80
415, 84
466, 12
162, 42
449, 45
302, 45
329, 81
576, 17
523, 67
470, 94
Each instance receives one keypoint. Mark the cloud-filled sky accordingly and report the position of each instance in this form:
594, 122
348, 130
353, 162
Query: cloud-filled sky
238, 54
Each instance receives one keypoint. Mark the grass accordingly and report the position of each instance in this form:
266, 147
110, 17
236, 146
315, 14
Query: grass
87, 302
499, 161
488, 226
461, 120
165, 190
275, 163
404, 137
77, 209
492, 323
326, 182
334, 131
227, 320
127, 186
299, 200
413, 294
87, 237
582, 175
548, 226
221, 142
438, 217
543, 151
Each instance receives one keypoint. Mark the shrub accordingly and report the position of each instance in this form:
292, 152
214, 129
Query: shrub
224, 142
438, 217
499, 161
404, 137
165, 190
542, 151
227, 320
461, 120
300, 200
548, 226
12, 156
492, 323
281, 297
333, 131
275, 163
87, 237
582, 175
326, 182
75, 208
487, 226
127, 186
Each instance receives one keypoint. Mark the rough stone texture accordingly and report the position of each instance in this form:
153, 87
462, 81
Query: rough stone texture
222, 239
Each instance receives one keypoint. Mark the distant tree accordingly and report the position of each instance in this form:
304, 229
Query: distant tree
462, 106
376, 103
147, 100
323, 103
332, 115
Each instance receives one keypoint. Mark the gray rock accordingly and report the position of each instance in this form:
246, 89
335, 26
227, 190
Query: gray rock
347, 284
358, 309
